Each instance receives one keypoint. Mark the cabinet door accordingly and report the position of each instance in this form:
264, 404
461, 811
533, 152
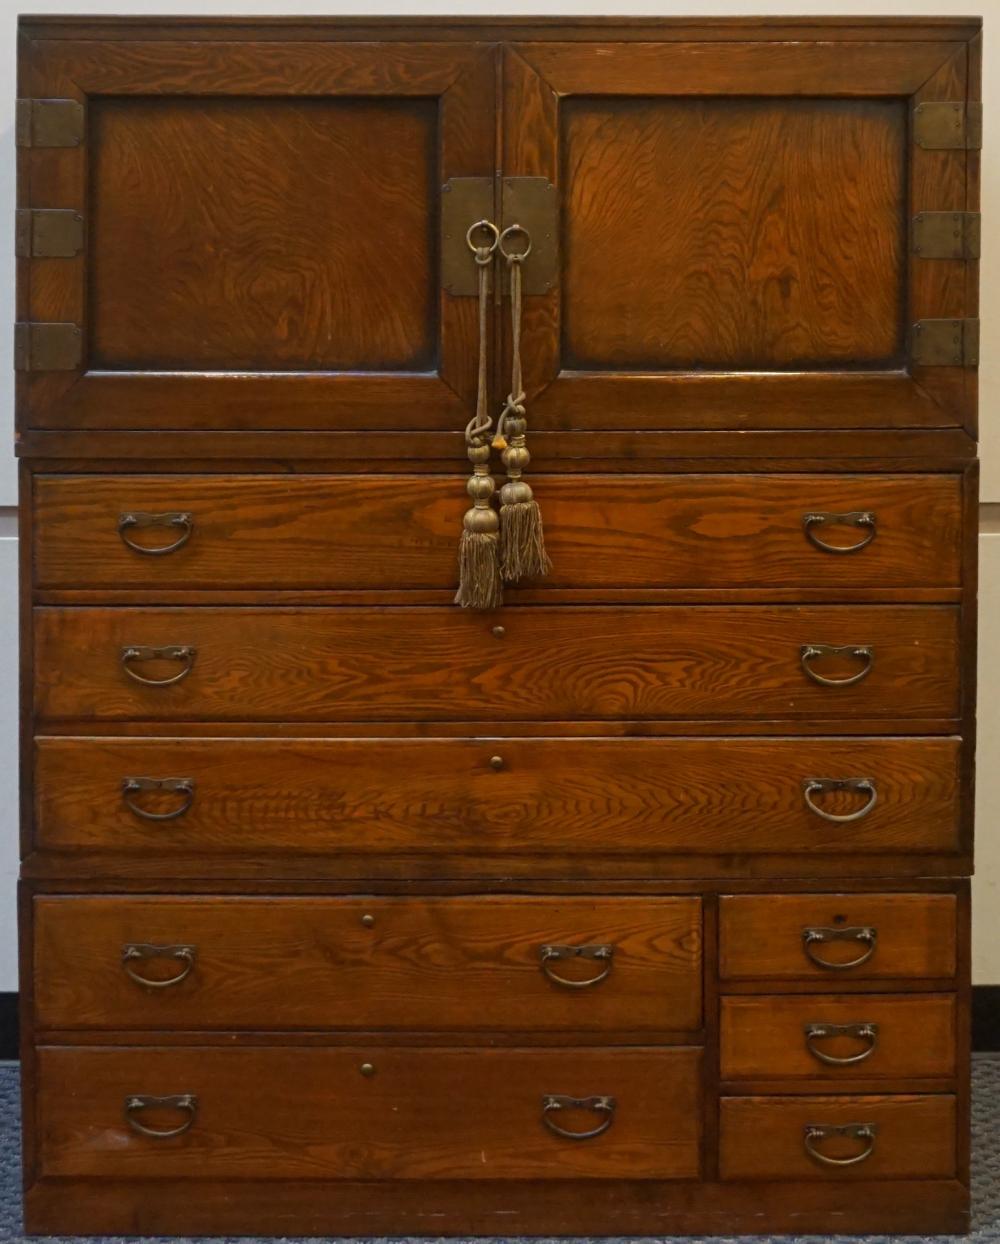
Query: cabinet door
736, 238
261, 229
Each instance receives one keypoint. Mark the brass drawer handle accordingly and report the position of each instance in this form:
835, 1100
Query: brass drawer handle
134, 952
864, 519
601, 953
138, 518
552, 1103
178, 786
173, 652
810, 652
821, 1032
138, 1102
866, 935
818, 786
813, 1133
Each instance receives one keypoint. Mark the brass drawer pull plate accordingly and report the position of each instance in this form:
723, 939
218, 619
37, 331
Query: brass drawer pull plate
139, 1102
173, 652
819, 786
601, 953
177, 786
136, 952
814, 1133
861, 652
552, 1103
821, 1032
139, 518
863, 519
813, 937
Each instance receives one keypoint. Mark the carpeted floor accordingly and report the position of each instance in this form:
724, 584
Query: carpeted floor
985, 1172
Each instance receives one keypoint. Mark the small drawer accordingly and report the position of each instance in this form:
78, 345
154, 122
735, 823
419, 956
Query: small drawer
818, 1037
899, 1137
425, 964
369, 1113
837, 937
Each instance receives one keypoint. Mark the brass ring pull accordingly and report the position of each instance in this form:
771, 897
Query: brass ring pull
552, 1103
864, 519
172, 652
818, 786
813, 1133
822, 1032
601, 953
483, 254
866, 935
179, 786
810, 652
511, 232
138, 518
133, 952
184, 1101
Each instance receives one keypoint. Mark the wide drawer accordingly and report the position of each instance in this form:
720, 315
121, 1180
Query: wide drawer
513, 964
538, 664
370, 1113
479, 796
818, 1037
840, 937
401, 532
898, 1137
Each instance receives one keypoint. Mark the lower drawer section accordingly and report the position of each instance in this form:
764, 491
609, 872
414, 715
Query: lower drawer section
873, 1138
369, 1113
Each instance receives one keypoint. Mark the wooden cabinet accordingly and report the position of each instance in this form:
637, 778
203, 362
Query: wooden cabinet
637, 906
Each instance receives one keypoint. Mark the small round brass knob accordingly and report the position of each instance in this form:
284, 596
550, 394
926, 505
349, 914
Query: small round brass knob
496, 762
367, 920
499, 631
367, 1069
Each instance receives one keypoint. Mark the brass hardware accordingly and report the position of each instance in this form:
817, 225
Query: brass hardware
813, 1133
810, 652
47, 347
499, 632
496, 762
178, 786
948, 125
367, 1069
139, 518
368, 920
47, 233
462, 199
817, 786
864, 519
185, 1101
533, 204
821, 1032
133, 952
49, 123
813, 937
947, 235
552, 1103
945, 343
601, 953
173, 652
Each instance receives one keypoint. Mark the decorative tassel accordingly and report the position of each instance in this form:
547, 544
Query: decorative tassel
479, 582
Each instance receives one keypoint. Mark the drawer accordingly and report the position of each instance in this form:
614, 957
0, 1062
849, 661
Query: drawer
370, 1113
841, 937
425, 964
539, 664
602, 531
817, 1037
898, 1137
603, 796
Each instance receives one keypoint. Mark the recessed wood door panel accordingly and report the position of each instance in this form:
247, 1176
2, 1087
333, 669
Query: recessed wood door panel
897, 663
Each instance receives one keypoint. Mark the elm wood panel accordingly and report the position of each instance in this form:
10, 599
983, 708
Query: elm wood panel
424, 964
425, 1114
763, 1038
439, 664
763, 1137
386, 797
760, 936
398, 532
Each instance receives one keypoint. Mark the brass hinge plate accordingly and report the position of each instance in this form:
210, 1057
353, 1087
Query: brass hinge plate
946, 235
47, 233
47, 347
947, 125
49, 123
464, 200
533, 203
945, 343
